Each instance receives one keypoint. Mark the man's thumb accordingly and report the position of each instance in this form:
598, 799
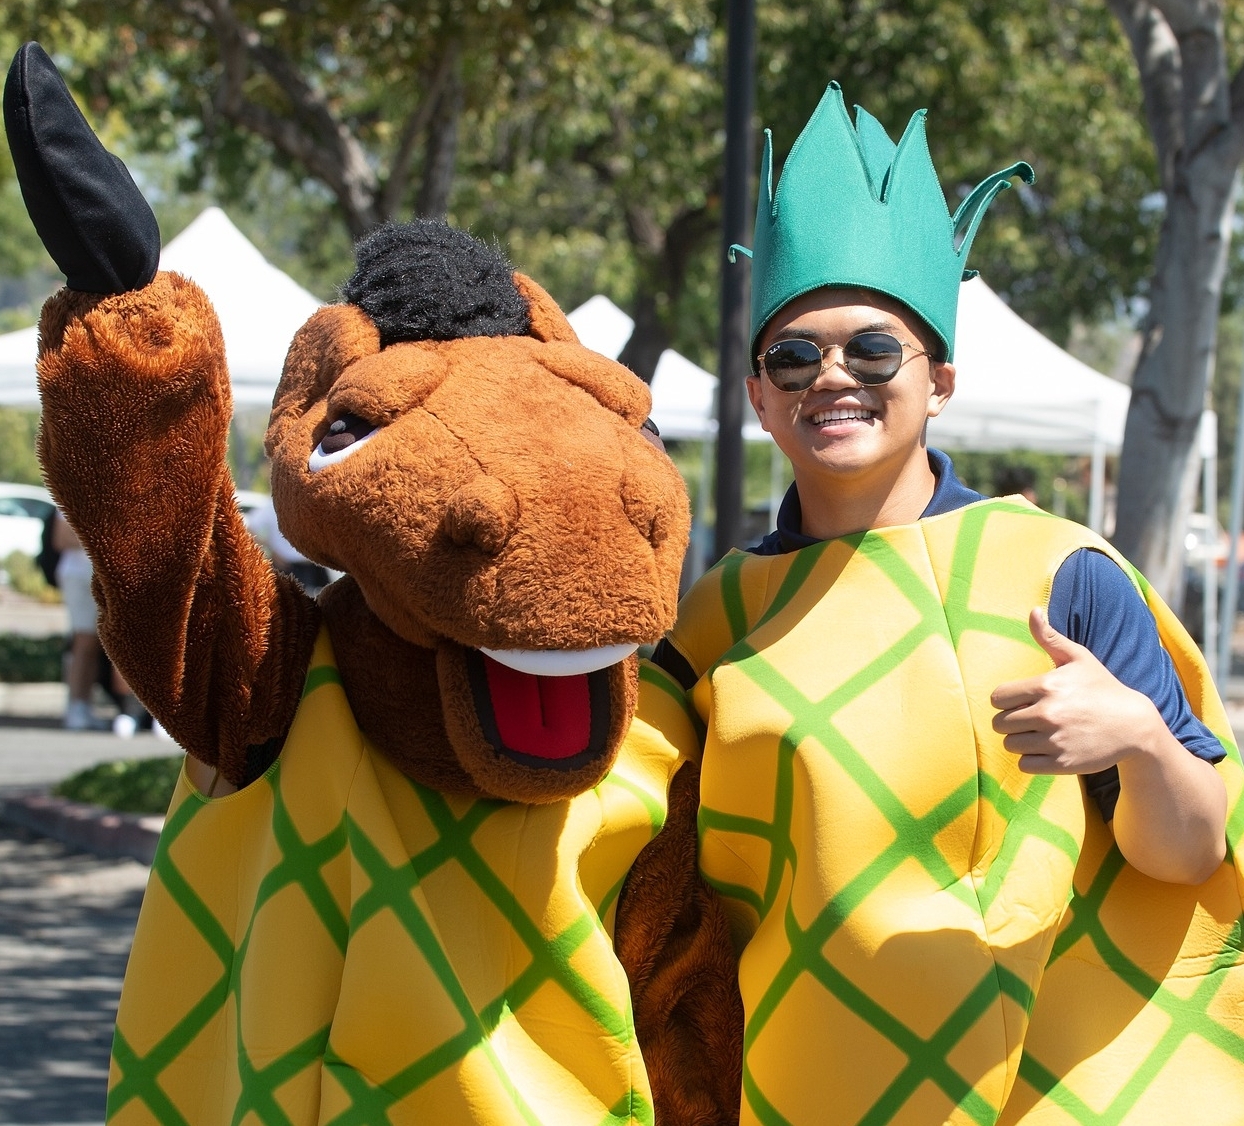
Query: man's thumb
1061, 649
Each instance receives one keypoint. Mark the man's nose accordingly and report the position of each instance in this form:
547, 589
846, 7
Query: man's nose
834, 373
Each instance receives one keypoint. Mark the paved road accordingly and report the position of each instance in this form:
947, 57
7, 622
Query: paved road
34, 753
66, 922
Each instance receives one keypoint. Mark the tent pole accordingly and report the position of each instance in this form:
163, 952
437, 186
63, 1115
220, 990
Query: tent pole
1209, 572
1231, 590
699, 525
1097, 485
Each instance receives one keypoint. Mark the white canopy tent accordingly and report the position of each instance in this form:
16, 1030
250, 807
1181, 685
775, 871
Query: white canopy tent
17, 368
259, 307
1017, 390
684, 395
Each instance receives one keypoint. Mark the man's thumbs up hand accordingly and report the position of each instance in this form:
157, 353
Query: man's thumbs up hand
1075, 719
1062, 650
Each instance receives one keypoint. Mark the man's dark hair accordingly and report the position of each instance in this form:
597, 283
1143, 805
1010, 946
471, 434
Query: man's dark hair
1011, 479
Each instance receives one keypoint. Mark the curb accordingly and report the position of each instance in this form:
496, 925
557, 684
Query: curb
89, 827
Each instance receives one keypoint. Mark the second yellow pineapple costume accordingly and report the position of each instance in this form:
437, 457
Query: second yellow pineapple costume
927, 933
341, 944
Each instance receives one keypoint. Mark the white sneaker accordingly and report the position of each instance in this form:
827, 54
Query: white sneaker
80, 717
124, 726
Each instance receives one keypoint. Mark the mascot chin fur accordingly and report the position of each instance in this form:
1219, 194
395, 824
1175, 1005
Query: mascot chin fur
421, 866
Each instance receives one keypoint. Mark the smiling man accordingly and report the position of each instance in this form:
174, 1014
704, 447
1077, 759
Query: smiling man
929, 717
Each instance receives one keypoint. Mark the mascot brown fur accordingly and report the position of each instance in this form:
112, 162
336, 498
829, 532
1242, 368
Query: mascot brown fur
491, 491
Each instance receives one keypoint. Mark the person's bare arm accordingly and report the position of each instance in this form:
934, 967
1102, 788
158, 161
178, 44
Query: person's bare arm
63, 536
1170, 821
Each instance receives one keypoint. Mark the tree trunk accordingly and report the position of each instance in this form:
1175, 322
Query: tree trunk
665, 255
442, 148
1158, 468
1196, 121
648, 338
312, 131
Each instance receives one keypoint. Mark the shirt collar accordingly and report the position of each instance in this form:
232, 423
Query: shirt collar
949, 493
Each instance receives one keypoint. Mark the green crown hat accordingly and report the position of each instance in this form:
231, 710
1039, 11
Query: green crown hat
855, 209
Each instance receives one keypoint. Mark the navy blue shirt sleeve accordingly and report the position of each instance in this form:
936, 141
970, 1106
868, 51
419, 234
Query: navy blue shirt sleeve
1095, 604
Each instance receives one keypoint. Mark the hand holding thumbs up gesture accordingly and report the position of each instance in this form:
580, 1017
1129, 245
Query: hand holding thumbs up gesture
1075, 719
1078, 718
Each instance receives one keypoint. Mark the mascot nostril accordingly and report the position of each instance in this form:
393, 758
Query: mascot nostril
643, 510
482, 514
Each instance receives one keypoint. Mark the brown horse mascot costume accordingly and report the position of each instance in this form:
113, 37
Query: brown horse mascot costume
421, 866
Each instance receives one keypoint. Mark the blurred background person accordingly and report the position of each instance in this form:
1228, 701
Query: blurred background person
261, 521
73, 577
1012, 480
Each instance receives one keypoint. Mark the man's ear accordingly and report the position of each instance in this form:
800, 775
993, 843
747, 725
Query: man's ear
322, 349
754, 395
548, 322
942, 386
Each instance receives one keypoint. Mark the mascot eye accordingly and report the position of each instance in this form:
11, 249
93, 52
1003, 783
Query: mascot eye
648, 431
343, 438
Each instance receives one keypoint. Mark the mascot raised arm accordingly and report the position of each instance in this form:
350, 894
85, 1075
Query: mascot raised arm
421, 866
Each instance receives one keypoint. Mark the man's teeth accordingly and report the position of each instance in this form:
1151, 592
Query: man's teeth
840, 413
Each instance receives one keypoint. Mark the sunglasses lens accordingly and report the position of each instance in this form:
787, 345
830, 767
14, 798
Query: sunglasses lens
793, 365
872, 357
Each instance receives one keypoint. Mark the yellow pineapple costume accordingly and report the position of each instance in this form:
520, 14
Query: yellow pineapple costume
929, 935
337, 944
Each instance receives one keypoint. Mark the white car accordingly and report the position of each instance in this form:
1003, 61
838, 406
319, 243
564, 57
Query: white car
249, 500
23, 509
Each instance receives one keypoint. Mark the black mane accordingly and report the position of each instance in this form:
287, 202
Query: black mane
425, 280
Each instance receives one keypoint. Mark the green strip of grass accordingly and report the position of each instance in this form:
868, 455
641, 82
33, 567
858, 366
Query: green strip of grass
30, 660
128, 786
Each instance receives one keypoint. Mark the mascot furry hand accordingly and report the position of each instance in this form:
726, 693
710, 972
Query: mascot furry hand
416, 869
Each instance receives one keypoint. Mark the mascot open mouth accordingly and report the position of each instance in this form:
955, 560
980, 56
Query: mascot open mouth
554, 708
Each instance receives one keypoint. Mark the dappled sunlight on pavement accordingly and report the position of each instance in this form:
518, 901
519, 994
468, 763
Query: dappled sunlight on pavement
66, 923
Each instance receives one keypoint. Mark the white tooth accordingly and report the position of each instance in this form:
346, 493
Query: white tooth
839, 414
560, 662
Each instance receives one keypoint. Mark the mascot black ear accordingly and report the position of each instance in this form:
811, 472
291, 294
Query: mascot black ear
82, 200
426, 280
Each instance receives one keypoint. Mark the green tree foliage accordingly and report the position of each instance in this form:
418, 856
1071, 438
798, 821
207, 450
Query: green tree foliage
613, 126
638, 157
363, 97
587, 134
18, 462
1052, 83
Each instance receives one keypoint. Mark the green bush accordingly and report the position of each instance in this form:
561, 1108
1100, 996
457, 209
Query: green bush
30, 660
128, 786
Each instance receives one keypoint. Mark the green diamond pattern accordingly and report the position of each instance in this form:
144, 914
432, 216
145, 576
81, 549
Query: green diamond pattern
389, 891
928, 1058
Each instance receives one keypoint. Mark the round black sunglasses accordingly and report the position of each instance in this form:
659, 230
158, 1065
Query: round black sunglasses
870, 358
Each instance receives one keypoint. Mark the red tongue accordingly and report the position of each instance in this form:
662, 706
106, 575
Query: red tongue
544, 716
